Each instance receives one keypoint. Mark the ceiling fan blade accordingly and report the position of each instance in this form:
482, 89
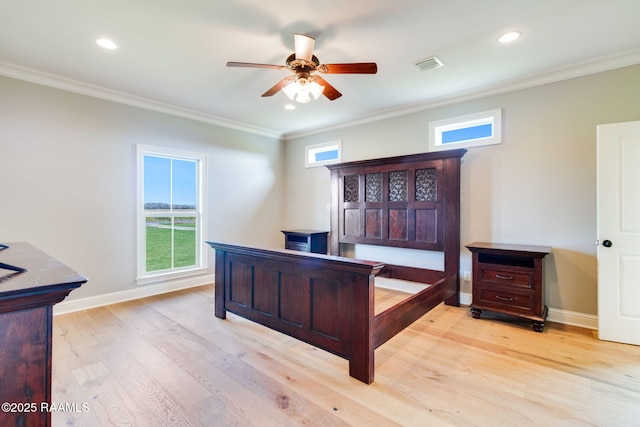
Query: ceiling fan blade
252, 65
329, 91
353, 68
278, 86
304, 46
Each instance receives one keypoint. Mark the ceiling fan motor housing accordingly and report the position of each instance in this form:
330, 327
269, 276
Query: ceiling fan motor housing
295, 64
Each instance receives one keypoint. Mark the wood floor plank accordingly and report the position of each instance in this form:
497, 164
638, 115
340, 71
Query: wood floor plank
158, 404
108, 399
193, 355
166, 360
295, 373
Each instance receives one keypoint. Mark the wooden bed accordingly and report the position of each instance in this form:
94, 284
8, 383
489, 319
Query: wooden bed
328, 300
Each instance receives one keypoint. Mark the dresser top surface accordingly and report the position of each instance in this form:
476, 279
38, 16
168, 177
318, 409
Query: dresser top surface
505, 247
42, 271
305, 231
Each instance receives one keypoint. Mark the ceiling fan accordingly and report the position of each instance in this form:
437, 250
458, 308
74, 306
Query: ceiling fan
304, 82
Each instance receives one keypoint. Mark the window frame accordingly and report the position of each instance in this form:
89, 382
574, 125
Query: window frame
437, 128
142, 276
318, 148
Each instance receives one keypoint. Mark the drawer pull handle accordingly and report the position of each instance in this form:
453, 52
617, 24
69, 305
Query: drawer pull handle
504, 298
500, 276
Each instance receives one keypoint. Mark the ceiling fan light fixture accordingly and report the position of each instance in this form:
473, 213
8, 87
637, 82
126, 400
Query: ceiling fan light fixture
291, 90
303, 90
316, 90
303, 84
303, 97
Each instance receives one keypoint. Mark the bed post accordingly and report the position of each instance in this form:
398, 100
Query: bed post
334, 235
361, 357
220, 269
452, 227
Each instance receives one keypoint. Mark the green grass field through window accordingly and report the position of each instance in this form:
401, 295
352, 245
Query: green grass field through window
159, 243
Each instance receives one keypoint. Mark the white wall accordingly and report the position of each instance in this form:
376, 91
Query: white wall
68, 180
538, 187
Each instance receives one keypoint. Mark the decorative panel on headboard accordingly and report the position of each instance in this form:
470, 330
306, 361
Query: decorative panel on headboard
406, 201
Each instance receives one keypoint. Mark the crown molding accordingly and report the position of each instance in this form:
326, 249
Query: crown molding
70, 85
606, 63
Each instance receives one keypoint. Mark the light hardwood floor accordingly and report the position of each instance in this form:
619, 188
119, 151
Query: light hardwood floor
166, 360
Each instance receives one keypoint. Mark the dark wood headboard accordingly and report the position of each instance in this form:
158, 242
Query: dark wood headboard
408, 201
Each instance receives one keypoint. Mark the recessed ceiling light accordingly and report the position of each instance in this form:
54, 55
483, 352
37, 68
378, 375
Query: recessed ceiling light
509, 37
107, 44
289, 107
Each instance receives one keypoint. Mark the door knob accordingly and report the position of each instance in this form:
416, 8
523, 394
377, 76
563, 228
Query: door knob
607, 243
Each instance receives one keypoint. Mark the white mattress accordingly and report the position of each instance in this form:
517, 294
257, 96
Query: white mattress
400, 285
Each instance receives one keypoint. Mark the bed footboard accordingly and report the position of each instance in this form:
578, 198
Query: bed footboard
326, 301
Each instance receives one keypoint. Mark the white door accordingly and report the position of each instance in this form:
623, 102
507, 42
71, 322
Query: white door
619, 232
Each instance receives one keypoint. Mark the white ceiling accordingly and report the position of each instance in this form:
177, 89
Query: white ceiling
172, 53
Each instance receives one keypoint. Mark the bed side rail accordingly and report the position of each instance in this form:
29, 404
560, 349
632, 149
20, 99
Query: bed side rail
394, 319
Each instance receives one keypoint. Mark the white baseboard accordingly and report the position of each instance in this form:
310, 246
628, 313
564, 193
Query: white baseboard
465, 299
566, 317
588, 321
128, 295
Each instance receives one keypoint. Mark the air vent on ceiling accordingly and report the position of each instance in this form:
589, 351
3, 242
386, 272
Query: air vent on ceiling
429, 63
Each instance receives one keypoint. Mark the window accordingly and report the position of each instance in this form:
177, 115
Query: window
323, 154
170, 213
472, 130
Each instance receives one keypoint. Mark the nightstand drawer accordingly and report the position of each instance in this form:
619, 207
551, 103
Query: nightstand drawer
505, 276
499, 298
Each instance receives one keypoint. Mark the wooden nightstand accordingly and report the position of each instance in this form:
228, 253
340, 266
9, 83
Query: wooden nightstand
306, 240
509, 279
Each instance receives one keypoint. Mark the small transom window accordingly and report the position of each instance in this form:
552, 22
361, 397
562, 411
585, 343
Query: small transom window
466, 131
323, 154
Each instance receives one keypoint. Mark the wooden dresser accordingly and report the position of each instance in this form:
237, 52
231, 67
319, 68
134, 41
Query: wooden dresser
26, 305
509, 279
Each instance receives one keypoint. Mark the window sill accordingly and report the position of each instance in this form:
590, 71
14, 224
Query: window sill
174, 275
